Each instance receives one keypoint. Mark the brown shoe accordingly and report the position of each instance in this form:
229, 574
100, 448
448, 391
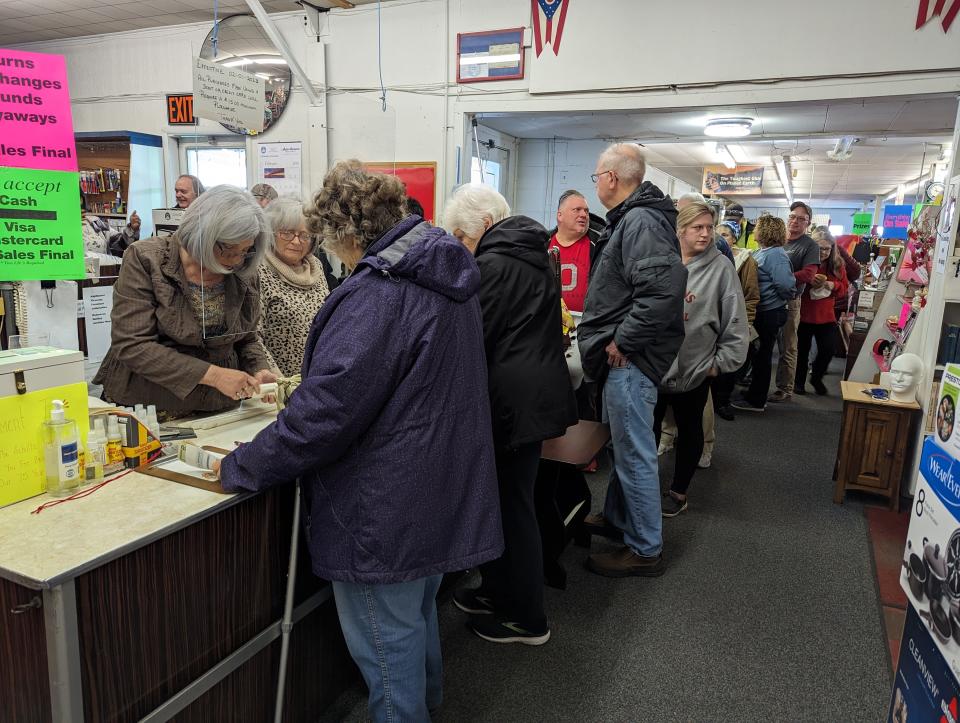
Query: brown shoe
625, 563
598, 525
780, 396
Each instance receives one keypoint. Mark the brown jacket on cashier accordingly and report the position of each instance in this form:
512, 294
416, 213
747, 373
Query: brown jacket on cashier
158, 354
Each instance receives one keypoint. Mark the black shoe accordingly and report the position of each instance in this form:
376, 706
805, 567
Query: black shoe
497, 631
800, 389
744, 406
726, 412
745, 382
469, 601
819, 387
671, 506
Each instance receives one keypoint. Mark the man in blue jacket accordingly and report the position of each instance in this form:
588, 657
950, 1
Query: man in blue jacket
631, 332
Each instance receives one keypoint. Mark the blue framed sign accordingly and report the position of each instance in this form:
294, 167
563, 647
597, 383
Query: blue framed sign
490, 55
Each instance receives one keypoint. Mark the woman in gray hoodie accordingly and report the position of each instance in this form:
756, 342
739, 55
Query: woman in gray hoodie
715, 342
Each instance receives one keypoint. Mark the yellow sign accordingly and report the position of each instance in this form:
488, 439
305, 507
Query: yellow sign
21, 437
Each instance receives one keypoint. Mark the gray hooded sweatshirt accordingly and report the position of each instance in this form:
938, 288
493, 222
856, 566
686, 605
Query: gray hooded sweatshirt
714, 322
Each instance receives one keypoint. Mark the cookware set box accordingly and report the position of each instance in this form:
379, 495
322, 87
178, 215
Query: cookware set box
924, 689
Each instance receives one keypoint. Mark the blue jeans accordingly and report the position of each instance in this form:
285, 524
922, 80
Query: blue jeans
393, 636
633, 494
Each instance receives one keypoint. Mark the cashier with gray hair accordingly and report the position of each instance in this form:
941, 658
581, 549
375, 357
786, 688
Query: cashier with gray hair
186, 310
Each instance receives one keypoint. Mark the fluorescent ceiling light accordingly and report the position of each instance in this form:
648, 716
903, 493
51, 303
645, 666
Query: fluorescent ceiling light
264, 76
269, 60
780, 162
728, 127
726, 156
234, 63
478, 59
841, 151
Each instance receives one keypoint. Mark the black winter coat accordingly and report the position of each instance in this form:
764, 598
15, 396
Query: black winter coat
636, 290
531, 398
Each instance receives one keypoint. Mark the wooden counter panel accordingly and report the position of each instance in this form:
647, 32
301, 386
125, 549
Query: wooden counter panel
153, 621
24, 685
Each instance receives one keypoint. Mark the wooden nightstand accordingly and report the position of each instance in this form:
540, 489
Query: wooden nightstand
875, 440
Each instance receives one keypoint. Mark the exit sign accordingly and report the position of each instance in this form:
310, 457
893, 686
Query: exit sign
180, 110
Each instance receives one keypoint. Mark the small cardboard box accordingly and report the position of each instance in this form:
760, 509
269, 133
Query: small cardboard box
946, 431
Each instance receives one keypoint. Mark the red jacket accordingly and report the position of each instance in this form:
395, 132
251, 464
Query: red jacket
820, 311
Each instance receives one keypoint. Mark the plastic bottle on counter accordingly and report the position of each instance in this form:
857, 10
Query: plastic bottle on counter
95, 458
61, 452
114, 446
152, 422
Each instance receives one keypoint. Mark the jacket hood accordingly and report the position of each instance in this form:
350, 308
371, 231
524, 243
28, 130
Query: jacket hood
707, 257
427, 256
518, 236
646, 196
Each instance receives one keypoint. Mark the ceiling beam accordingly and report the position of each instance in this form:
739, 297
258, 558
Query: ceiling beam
281, 44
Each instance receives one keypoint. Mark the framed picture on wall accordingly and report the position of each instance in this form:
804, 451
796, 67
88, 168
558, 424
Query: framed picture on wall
490, 55
420, 178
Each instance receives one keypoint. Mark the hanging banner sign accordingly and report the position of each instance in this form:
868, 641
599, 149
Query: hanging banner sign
36, 128
742, 180
228, 95
896, 221
180, 110
862, 223
40, 232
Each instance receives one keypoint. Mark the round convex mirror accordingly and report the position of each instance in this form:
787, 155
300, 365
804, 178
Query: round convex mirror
241, 43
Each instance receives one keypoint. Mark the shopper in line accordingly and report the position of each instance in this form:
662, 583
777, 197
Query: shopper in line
694, 197
99, 238
389, 433
572, 239
745, 237
293, 286
187, 189
531, 400
185, 312
804, 257
817, 317
630, 333
715, 342
265, 194
777, 283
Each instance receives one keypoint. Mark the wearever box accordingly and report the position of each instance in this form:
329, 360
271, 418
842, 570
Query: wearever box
930, 574
924, 689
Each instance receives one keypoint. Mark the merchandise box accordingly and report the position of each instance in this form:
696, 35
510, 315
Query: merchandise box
930, 573
923, 689
945, 429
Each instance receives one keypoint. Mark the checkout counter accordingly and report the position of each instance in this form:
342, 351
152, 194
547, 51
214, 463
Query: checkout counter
153, 600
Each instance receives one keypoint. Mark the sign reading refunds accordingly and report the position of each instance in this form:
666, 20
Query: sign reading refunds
228, 95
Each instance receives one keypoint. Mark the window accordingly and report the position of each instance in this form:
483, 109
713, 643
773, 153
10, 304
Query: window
836, 230
214, 165
490, 176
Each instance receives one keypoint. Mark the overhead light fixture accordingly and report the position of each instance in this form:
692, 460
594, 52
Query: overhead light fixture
780, 162
728, 127
726, 156
841, 151
235, 62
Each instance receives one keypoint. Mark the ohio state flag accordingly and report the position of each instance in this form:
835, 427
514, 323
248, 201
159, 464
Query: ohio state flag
549, 8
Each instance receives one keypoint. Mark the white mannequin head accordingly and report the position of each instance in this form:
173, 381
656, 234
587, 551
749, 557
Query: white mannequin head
906, 372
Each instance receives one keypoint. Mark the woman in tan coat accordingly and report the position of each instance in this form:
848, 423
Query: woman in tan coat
186, 309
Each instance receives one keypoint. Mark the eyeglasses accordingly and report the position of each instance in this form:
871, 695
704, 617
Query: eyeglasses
291, 235
596, 176
795, 217
228, 251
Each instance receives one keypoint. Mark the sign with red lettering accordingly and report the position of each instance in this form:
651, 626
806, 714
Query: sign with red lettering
180, 110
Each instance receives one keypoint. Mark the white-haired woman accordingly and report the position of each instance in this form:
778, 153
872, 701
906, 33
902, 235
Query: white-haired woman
185, 311
292, 286
531, 399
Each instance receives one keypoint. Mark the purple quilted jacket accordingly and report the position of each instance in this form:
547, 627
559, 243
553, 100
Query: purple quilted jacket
390, 429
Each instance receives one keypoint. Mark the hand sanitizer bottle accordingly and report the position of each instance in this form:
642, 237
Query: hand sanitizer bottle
61, 452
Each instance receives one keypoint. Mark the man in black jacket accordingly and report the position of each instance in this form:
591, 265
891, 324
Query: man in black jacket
631, 331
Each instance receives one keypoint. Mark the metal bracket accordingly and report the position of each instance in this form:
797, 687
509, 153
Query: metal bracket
277, 39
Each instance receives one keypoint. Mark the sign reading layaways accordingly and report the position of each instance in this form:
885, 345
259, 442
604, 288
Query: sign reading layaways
40, 232
743, 180
36, 129
228, 95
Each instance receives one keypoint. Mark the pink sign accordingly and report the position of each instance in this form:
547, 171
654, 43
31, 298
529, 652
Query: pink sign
36, 128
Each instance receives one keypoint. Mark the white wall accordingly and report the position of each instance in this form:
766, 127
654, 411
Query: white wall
548, 167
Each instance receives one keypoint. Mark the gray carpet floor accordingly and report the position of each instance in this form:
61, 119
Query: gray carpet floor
768, 611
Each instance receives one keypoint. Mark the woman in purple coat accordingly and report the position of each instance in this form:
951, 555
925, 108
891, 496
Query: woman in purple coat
390, 435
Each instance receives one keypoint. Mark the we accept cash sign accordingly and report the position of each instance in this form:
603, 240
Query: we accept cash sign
40, 226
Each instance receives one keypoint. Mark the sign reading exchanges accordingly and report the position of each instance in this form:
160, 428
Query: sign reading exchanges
228, 95
40, 232
36, 129
744, 180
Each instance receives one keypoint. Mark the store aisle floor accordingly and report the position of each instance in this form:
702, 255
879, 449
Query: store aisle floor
768, 611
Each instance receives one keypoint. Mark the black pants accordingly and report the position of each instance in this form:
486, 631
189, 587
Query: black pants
514, 581
826, 336
767, 323
688, 414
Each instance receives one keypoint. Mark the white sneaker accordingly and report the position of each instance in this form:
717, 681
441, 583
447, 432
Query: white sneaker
663, 448
705, 459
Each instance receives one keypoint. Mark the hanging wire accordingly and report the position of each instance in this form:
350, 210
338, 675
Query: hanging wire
383, 90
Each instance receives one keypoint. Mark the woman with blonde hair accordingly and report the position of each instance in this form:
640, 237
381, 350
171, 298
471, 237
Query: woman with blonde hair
715, 342
777, 283
389, 433
817, 318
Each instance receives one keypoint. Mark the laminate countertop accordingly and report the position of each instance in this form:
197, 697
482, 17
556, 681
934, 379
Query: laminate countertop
43, 550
